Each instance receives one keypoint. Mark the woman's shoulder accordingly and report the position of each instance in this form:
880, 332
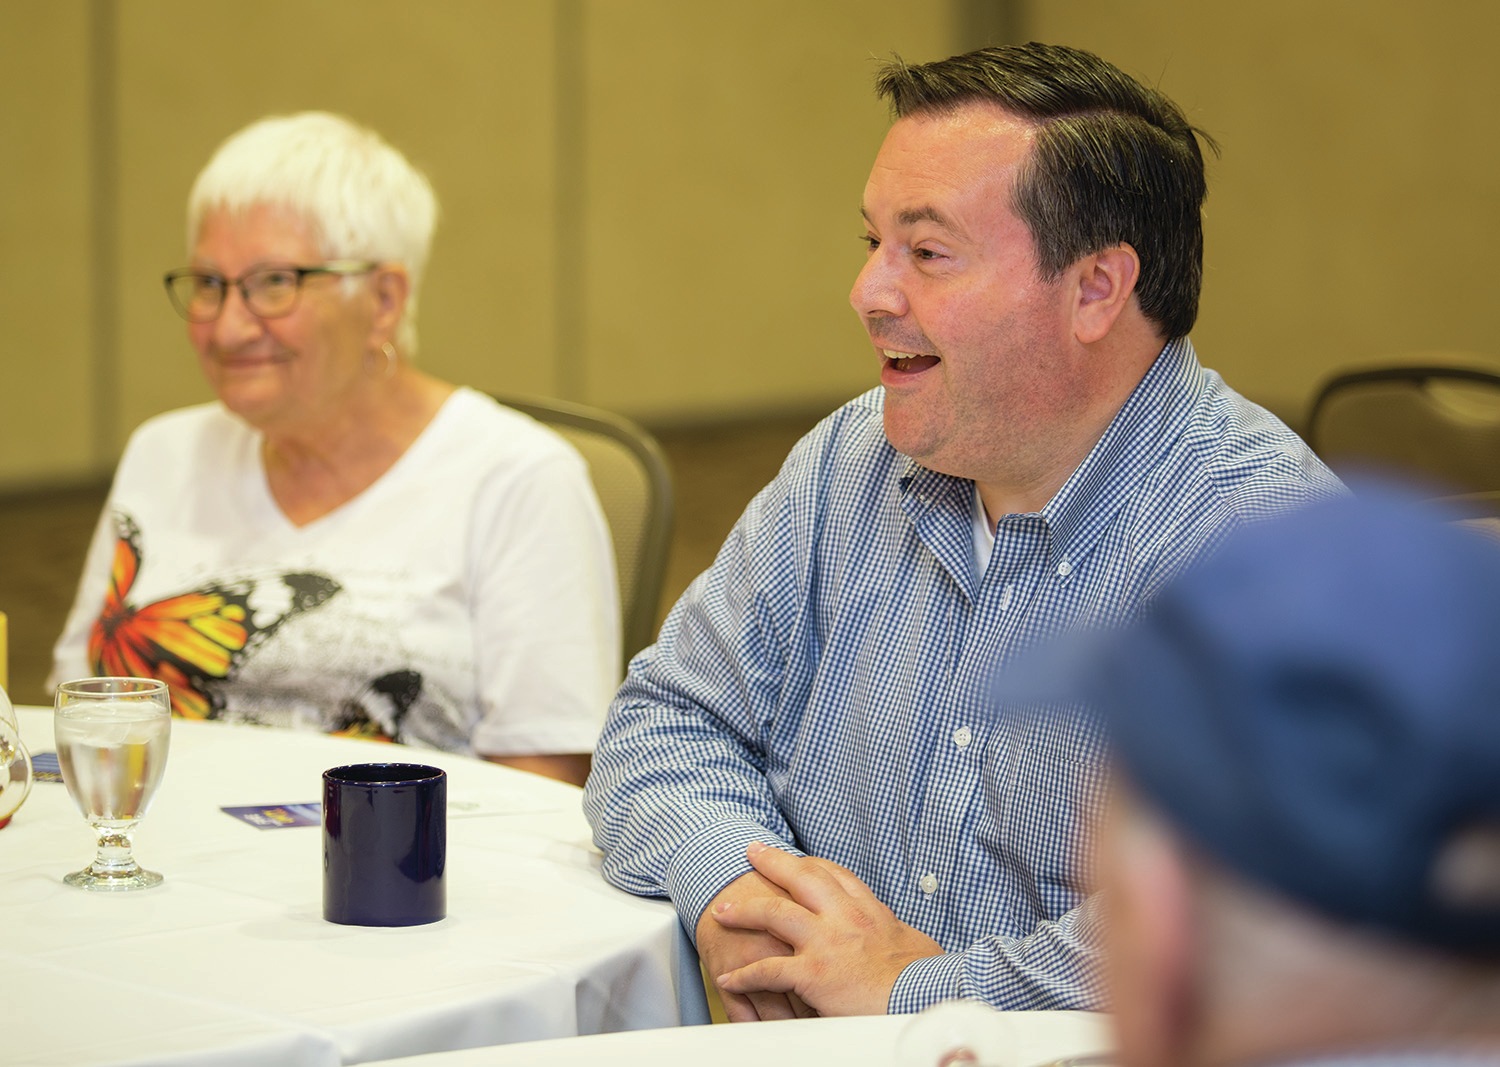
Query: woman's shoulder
209, 413
189, 427
480, 424
186, 451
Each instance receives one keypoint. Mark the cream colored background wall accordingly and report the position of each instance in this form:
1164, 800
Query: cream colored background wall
727, 150
1355, 211
46, 404
651, 204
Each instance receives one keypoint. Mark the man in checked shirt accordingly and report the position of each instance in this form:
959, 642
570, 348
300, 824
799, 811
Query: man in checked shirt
1044, 451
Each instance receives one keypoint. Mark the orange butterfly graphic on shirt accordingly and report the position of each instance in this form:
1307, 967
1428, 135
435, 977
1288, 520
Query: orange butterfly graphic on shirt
193, 639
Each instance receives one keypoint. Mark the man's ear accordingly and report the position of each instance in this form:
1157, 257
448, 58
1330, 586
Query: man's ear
391, 286
1106, 281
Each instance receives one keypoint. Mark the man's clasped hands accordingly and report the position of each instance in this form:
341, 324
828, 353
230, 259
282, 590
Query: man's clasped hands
800, 936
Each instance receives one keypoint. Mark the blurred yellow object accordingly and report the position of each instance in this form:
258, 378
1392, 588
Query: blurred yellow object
716, 1011
4, 654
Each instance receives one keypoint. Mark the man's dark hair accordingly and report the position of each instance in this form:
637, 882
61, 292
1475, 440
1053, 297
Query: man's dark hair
1114, 161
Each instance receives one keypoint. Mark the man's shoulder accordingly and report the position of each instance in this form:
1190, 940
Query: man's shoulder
1240, 450
1232, 463
1187, 451
857, 423
846, 452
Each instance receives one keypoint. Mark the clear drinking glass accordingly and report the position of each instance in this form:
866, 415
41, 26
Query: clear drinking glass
15, 763
112, 736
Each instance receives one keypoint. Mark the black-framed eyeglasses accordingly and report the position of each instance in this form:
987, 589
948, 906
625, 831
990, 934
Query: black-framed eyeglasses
269, 292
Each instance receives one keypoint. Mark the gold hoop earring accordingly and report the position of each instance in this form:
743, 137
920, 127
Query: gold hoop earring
389, 350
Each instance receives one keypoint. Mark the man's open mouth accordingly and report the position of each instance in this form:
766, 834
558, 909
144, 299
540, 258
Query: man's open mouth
907, 363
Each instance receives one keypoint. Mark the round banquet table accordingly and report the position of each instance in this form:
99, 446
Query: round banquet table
1007, 1039
230, 961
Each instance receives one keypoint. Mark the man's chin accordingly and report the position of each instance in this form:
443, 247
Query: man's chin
905, 434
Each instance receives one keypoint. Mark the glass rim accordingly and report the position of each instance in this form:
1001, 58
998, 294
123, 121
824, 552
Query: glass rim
113, 685
382, 774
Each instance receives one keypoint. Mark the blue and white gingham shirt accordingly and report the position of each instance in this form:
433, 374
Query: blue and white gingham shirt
823, 685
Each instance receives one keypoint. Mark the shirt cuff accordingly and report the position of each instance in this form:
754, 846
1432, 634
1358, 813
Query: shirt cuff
704, 865
926, 982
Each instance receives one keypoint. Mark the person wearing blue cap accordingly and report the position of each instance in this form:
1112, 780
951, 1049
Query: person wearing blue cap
1303, 860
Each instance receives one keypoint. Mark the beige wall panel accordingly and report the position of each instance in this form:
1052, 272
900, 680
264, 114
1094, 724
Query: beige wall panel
1355, 211
47, 415
463, 87
727, 149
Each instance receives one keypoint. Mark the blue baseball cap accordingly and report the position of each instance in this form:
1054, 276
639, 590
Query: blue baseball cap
1318, 708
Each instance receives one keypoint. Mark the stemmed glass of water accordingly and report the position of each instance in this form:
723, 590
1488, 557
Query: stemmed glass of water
112, 736
15, 763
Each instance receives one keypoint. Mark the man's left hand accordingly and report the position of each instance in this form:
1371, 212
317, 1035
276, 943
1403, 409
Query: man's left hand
848, 947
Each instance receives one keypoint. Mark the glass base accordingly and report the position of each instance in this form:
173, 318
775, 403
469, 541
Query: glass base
113, 881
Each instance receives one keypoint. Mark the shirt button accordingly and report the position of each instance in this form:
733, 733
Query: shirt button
962, 736
1064, 568
928, 882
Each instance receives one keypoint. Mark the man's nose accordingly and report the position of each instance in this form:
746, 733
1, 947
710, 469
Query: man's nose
877, 289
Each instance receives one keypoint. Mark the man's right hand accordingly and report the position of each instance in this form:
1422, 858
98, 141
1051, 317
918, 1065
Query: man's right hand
723, 949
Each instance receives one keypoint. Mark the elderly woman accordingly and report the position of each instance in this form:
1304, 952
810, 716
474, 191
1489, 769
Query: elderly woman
342, 541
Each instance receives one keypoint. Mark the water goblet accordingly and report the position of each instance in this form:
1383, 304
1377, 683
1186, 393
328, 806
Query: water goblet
112, 736
15, 763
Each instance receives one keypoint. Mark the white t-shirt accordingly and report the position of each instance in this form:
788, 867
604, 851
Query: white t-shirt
465, 601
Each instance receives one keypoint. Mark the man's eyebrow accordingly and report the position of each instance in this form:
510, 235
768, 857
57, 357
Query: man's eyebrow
926, 213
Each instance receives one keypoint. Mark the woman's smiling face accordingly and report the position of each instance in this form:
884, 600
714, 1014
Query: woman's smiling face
291, 371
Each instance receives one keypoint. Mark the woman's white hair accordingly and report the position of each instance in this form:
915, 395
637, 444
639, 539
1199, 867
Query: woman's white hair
361, 197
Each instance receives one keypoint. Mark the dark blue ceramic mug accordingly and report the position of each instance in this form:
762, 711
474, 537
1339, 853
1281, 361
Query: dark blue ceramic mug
385, 843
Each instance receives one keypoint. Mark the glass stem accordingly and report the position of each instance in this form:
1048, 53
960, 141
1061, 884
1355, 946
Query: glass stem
114, 856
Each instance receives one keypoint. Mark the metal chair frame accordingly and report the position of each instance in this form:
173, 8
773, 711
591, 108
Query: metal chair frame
641, 588
1416, 375
1420, 375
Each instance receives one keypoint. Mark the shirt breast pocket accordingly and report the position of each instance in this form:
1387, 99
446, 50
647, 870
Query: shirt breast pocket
1048, 788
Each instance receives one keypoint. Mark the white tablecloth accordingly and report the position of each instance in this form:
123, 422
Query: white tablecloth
230, 960
1006, 1039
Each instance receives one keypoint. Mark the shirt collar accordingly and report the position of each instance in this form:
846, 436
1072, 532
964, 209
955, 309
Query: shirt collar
1154, 415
